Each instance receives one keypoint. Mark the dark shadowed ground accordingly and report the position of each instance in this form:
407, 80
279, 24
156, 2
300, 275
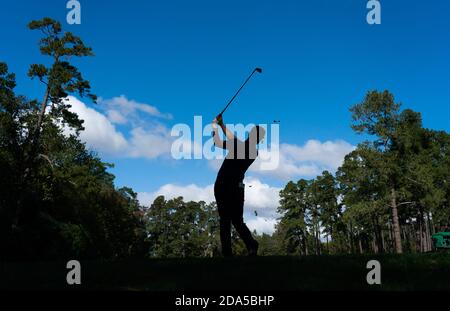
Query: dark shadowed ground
405, 272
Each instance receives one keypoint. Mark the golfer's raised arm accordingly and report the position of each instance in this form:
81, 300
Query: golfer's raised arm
216, 136
228, 133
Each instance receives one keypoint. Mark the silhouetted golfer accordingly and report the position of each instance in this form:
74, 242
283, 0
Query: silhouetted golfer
229, 187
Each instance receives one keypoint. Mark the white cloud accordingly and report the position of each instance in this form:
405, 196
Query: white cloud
306, 161
116, 117
190, 192
120, 109
259, 197
101, 135
329, 153
262, 225
146, 144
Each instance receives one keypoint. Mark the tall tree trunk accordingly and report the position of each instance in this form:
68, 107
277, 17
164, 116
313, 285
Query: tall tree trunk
374, 244
305, 239
34, 136
390, 235
404, 236
317, 240
421, 229
301, 245
42, 112
430, 223
378, 235
396, 223
350, 239
28, 161
418, 236
428, 232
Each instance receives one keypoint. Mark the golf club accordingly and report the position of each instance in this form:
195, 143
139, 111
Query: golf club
259, 70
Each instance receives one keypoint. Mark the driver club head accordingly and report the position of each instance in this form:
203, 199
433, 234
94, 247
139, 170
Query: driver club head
259, 70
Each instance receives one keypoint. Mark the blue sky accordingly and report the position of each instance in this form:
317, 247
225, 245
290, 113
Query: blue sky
187, 58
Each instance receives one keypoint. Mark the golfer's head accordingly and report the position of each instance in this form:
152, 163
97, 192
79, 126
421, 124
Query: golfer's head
257, 134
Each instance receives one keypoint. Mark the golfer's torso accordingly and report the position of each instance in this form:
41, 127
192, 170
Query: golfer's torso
232, 172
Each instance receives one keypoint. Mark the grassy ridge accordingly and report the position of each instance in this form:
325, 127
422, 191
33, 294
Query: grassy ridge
405, 272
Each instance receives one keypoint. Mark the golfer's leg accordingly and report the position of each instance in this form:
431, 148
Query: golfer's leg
225, 235
224, 220
238, 223
244, 232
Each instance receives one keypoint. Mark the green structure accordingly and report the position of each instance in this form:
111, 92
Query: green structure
441, 240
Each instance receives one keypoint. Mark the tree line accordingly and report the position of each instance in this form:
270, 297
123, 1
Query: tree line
58, 200
389, 196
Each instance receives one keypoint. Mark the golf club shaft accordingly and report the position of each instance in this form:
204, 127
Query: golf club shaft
231, 100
